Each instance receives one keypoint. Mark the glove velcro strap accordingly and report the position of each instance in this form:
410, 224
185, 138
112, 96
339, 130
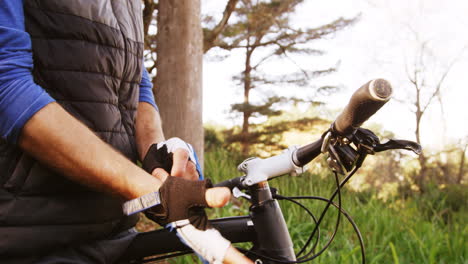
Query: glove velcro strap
141, 203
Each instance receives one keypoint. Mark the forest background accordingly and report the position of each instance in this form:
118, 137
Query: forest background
270, 73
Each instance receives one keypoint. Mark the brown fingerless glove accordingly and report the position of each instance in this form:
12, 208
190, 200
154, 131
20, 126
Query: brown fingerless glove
181, 199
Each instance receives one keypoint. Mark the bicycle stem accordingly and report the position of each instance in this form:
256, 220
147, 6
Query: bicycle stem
273, 237
258, 170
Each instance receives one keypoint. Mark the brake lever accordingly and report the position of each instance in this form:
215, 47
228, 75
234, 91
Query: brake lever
399, 144
237, 193
370, 142
365, 140
342, 157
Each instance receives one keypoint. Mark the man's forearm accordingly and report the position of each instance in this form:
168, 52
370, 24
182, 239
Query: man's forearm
61, 142
148, 128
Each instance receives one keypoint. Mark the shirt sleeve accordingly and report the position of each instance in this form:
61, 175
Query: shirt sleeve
146, 89
20, 97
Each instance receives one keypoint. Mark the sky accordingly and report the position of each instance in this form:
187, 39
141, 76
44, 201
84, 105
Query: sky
382, 44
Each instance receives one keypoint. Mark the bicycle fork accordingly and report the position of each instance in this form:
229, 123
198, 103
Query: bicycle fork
273, 239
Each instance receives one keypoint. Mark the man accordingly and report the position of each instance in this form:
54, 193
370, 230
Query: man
72, 127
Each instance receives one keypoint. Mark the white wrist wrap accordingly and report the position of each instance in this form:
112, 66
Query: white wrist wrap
208, 244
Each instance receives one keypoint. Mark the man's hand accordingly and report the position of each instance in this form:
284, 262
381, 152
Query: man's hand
213, 247
149, 131
174, 156
181, 212
182, 166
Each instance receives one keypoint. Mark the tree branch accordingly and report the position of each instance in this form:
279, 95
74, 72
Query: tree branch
442, 79
211, 35
148, 11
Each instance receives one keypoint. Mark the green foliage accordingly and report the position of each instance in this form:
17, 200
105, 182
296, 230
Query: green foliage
441, 203
395, 231
221, 164
213, 139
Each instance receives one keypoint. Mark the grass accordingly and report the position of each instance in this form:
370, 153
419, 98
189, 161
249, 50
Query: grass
394, 231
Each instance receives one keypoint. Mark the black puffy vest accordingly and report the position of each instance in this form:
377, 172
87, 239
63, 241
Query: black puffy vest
88, 56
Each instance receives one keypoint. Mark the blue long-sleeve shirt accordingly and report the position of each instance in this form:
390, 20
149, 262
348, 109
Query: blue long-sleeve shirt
20, 97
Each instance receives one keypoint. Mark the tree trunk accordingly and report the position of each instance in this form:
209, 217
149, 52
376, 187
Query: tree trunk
461, 169
245, 148
421, 178
178, 84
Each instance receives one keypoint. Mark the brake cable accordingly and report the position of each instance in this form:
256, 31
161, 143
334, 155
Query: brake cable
337, 191
345, 213
291, 199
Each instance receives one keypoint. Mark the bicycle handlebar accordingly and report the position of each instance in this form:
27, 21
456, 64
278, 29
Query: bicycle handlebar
230, 183
307, 153
362, 105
